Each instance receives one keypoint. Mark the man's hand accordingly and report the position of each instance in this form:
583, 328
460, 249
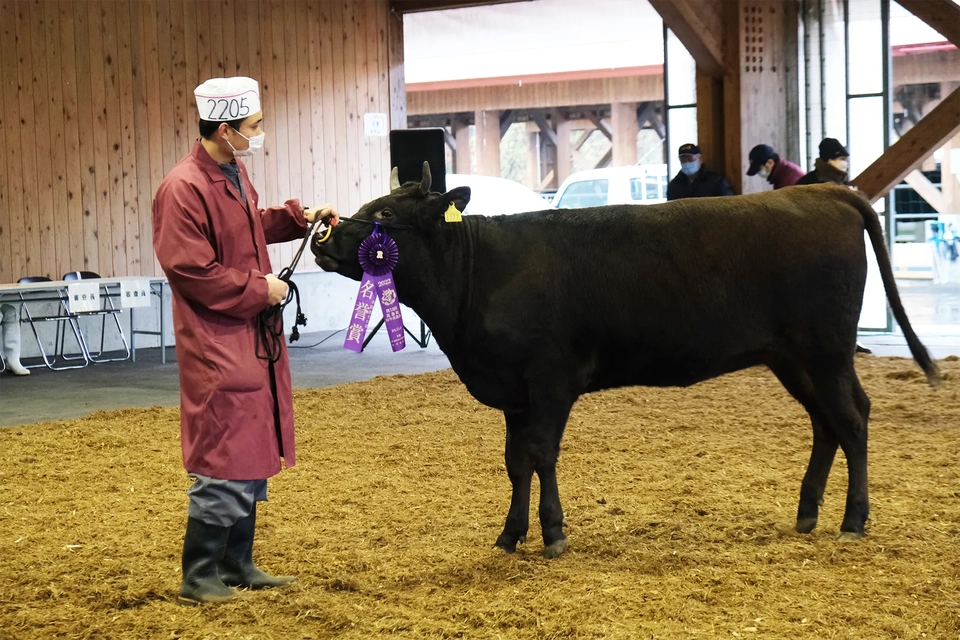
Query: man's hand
326, 213
276, 291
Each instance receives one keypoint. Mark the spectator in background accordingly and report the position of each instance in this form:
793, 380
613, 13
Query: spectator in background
694, 179
831, 166
765, 163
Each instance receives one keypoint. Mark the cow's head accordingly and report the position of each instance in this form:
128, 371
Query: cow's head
409, 214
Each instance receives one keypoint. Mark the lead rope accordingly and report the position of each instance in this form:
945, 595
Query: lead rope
269, 336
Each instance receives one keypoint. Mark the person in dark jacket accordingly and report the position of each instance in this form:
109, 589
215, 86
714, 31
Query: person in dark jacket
694, 179
830, 166
778, 171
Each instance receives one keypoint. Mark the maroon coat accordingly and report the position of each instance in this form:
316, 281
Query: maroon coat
213, 251
784, 174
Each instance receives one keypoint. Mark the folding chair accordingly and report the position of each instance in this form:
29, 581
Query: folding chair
107, 308
62, 315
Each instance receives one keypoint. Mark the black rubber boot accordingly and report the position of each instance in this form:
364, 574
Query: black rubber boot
237, 568
203, 547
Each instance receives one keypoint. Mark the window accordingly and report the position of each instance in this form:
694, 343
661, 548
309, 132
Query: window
588, 193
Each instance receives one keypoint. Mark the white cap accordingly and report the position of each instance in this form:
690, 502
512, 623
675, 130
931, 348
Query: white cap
225, 99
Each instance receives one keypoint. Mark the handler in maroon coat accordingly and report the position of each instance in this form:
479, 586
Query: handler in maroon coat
236, 414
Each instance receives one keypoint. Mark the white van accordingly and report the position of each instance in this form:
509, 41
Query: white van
635, 184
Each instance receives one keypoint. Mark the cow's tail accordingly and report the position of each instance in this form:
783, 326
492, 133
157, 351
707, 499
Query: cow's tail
872, 224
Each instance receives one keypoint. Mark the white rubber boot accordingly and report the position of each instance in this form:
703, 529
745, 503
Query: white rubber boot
10, 327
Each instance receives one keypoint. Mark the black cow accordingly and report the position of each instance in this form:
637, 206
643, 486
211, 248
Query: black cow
535, 309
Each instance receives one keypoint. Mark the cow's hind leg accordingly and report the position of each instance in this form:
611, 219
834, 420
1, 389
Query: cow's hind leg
800, 386
846, 409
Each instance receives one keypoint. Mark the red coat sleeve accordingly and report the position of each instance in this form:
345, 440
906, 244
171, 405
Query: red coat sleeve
280, 224
181, 240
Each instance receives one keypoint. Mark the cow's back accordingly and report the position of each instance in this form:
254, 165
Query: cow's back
673, 293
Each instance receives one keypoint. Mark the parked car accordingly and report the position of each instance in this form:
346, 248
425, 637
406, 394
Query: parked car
491, 196
635, 184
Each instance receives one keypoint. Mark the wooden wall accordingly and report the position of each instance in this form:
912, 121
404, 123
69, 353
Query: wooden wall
97, 106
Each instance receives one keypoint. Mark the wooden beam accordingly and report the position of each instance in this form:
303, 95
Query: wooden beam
507, 118
942, 15
450, 140
907, 153
547, 179
698, 25
413, 6
599, 123
926, 190
545, 128
920, 68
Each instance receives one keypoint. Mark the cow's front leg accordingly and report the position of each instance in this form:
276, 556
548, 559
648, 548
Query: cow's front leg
549, 415
520, 472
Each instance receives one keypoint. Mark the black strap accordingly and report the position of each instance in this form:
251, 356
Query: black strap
269, 337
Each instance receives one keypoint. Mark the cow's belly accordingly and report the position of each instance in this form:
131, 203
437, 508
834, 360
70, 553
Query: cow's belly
498, 385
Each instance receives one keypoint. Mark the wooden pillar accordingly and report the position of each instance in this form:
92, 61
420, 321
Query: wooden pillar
623, 120
398, 86
710, 123
564, 165
533, 161
949, 184
461, 133
488, 143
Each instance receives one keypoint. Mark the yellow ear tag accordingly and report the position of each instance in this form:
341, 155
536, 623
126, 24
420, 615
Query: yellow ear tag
452, 214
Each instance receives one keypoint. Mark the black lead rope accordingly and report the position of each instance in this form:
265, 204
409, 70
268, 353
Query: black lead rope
270, 321
269, 341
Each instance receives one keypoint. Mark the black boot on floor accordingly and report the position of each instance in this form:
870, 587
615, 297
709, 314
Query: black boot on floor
237, 568
203, 547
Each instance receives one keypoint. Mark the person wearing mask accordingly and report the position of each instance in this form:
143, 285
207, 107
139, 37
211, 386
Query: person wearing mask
10, 330
236, 416
831, 165
766, 163
694, 179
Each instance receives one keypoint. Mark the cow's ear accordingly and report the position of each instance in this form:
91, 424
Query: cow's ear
459, 196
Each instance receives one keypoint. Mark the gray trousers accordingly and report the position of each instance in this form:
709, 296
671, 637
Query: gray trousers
222, 502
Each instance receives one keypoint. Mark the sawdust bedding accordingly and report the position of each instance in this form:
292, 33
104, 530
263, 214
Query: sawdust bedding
679, 506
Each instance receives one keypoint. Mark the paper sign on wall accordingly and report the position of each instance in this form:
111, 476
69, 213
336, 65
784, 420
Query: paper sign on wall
134, 293
374, 124
83, 297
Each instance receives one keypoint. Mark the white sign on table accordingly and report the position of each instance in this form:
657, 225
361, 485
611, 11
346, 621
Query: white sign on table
83, 297
135, 293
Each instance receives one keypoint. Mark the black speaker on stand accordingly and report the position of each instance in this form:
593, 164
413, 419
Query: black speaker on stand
409, 148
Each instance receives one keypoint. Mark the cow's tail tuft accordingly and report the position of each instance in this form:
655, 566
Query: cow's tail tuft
872, 224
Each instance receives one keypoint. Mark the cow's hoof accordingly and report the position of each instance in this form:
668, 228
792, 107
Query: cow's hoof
846, 536
509, 543
806, 525
556, 549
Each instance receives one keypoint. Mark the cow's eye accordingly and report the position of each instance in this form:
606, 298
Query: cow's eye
386, 213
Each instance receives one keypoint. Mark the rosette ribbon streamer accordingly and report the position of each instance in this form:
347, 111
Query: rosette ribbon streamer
378, 257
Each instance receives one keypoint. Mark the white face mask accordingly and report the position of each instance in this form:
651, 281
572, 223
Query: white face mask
840, 165
763, 172
256, 143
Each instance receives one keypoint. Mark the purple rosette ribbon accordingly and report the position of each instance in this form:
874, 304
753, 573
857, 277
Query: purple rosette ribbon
378, 257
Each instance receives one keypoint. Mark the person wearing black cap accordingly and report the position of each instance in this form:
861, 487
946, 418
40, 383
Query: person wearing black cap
694, 179
779, 172
831, 166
